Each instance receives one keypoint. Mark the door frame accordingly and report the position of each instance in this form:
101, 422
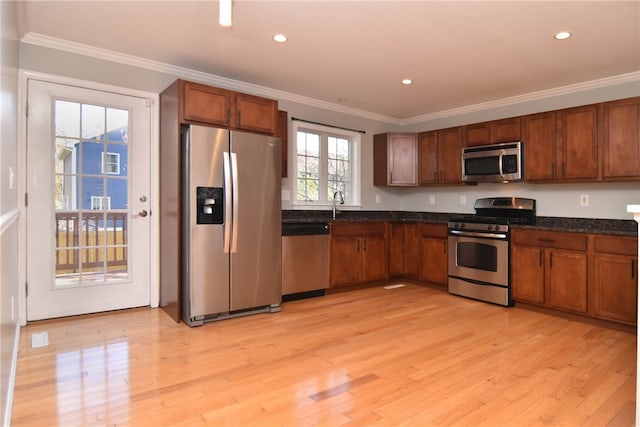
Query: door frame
153, 98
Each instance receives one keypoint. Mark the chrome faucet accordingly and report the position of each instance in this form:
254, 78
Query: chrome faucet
335, 199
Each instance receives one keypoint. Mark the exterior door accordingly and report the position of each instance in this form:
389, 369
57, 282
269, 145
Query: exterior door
87, 182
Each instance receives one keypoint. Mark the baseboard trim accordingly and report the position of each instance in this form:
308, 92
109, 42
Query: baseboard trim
6, 422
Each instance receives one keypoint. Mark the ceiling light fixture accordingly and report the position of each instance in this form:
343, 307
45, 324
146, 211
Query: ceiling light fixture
225, 13
407, 81
562, 35
280, 38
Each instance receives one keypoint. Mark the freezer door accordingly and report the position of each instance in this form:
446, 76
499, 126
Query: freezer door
256, 243
206, 279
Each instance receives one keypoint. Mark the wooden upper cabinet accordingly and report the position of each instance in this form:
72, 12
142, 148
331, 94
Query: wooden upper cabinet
477, 134
395, 158
282, 131
440, 156
429, 161
203, 104
621, 139
493, 132
506, 130
578, 143
450, 147
255, 114
539, 139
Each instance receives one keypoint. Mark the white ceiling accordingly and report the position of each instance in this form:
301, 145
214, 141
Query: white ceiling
355, 53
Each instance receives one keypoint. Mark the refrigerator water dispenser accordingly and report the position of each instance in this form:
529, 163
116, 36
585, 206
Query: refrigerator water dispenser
209, 205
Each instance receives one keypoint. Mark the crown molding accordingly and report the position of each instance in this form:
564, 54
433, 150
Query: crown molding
193, 75
527, 97
223, 82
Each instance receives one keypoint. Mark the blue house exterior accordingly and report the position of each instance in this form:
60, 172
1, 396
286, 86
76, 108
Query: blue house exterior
104, 172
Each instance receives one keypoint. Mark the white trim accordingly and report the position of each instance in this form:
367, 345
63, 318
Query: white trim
8, 218
527, 97
355, 160
189, 74
12, 378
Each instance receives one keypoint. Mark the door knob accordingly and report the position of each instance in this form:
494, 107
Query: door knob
143, 213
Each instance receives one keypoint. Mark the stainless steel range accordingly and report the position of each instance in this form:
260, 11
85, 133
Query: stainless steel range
479, 248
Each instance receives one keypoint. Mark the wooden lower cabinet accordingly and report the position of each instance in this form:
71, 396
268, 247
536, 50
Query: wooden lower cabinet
358, 253
566, 279
589, 274
404, 250
396, 250
411, 250
550, 268
527, 274
614, 279
433, 253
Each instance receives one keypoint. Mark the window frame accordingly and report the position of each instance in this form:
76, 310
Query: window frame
101, 202
355, 143
105, 170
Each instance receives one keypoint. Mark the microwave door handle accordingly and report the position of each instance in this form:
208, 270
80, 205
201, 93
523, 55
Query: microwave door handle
500, 164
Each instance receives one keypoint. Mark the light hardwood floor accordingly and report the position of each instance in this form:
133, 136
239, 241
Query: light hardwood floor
406, 356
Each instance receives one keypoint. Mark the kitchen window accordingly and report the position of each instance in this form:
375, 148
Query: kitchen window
327, 160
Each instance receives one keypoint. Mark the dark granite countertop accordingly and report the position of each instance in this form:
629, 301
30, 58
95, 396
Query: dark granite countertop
581, 225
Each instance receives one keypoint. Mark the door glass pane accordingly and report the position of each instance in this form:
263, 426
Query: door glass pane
117, 125
91, 194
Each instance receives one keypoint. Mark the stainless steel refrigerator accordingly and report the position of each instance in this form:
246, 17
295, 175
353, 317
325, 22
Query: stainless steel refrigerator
231, 224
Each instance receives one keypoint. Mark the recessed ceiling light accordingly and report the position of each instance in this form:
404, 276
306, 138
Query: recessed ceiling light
280, 38
562, 35
407, 81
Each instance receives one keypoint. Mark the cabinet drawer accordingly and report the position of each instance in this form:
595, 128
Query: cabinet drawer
357, 228
434, 230
618, 245
550, 239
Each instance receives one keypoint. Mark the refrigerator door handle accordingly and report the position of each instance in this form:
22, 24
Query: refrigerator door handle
227, 199
234, 185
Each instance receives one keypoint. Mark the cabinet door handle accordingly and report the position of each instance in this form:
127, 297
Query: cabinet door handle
540, 256
551, 260
553, 170
364, 245
239, 118
358, 245
633, 269
543, 240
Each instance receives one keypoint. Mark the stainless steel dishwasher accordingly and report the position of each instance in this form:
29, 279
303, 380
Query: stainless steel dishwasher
305, 260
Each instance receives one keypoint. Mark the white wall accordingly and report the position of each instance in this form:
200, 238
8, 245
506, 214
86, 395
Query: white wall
9, 328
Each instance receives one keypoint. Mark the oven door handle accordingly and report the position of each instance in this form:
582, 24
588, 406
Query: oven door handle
473, 234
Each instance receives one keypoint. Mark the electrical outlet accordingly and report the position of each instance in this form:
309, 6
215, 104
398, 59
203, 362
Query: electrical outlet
584, 200
432, 199
377, 198
463, 200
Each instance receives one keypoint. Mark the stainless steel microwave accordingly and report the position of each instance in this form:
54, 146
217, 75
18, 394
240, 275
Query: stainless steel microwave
492, 163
